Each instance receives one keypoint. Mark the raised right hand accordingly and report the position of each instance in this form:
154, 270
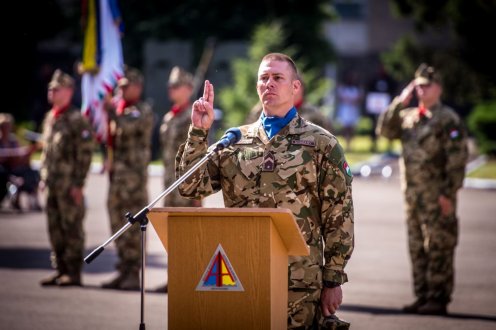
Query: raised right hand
407, 93
202, 115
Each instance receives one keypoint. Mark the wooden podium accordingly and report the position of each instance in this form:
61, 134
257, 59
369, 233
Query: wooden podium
228, 268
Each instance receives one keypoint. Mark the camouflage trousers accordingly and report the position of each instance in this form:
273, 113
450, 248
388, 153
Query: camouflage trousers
304, 312
432, 239
127, 193
65, 231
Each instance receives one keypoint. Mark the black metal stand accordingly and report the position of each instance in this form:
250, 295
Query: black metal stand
141, 218
143, 262
232, 136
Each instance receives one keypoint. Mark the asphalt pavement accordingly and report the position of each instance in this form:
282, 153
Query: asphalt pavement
379, 270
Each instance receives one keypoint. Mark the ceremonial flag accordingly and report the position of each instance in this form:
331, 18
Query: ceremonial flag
102, 59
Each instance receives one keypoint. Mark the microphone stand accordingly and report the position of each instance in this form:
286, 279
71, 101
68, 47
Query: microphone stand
141, 218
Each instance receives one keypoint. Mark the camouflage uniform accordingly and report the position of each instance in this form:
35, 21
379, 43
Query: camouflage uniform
173, 132
65, 160
432, 164
303, 169
131, 148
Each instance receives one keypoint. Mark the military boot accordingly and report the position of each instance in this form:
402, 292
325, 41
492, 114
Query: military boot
69, 280
413, 307
433, 307
114, 283
131, 282
162, 289
51, 280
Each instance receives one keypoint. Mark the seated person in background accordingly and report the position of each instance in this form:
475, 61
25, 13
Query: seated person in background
15, 168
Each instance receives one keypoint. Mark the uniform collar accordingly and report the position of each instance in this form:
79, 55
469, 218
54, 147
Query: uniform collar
295, 127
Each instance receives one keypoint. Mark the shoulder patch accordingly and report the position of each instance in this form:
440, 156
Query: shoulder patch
337, 158
346, 168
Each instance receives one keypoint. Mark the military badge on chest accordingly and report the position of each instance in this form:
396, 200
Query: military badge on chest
269, 162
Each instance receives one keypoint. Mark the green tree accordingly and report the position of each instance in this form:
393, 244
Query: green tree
467, 63
238, 99
197, 20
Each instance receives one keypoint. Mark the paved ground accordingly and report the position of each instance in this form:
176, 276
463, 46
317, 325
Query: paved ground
379, 270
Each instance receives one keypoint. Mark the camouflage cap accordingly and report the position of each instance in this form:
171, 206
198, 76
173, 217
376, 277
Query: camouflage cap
131, 76
179, 76
426, 74
60, 79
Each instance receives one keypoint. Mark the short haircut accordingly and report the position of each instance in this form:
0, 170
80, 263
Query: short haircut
283, 58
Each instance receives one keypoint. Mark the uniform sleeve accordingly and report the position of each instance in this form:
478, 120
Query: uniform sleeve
204, 181
337, 215
43, 165
456, 155
389, 123
83, 151
148, 122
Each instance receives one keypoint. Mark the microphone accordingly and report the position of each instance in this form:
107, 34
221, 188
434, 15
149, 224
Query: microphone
231, 136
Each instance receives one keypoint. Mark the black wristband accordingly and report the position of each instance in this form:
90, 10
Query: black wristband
331, 284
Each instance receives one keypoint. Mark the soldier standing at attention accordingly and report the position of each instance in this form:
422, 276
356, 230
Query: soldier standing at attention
131, 123
286, 162
433, 168
173, 132
66, 157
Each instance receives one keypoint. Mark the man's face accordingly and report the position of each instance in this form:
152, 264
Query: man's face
60, 96
180, 94
131, 92
428, 93
276, 87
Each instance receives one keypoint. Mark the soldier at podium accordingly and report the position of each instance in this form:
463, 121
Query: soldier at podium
283, 161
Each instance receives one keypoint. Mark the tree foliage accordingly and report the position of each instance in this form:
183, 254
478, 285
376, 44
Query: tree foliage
197, 20
468, 63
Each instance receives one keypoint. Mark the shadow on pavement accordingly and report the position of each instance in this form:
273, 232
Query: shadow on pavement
39, 258
394, 311
25, 258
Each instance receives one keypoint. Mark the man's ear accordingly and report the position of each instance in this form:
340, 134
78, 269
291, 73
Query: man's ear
296, 85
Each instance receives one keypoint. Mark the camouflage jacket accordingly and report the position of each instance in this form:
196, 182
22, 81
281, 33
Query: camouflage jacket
434, 146
131, 139
67, 149
173, 132
309, 176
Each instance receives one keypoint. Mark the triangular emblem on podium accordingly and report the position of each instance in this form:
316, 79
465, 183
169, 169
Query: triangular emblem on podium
219, 274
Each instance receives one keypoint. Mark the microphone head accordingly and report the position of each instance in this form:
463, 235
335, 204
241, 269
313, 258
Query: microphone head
236, 132
232, 136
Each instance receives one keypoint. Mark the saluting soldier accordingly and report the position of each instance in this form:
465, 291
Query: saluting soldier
283, 161
130, 129
433, 161
66, 157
